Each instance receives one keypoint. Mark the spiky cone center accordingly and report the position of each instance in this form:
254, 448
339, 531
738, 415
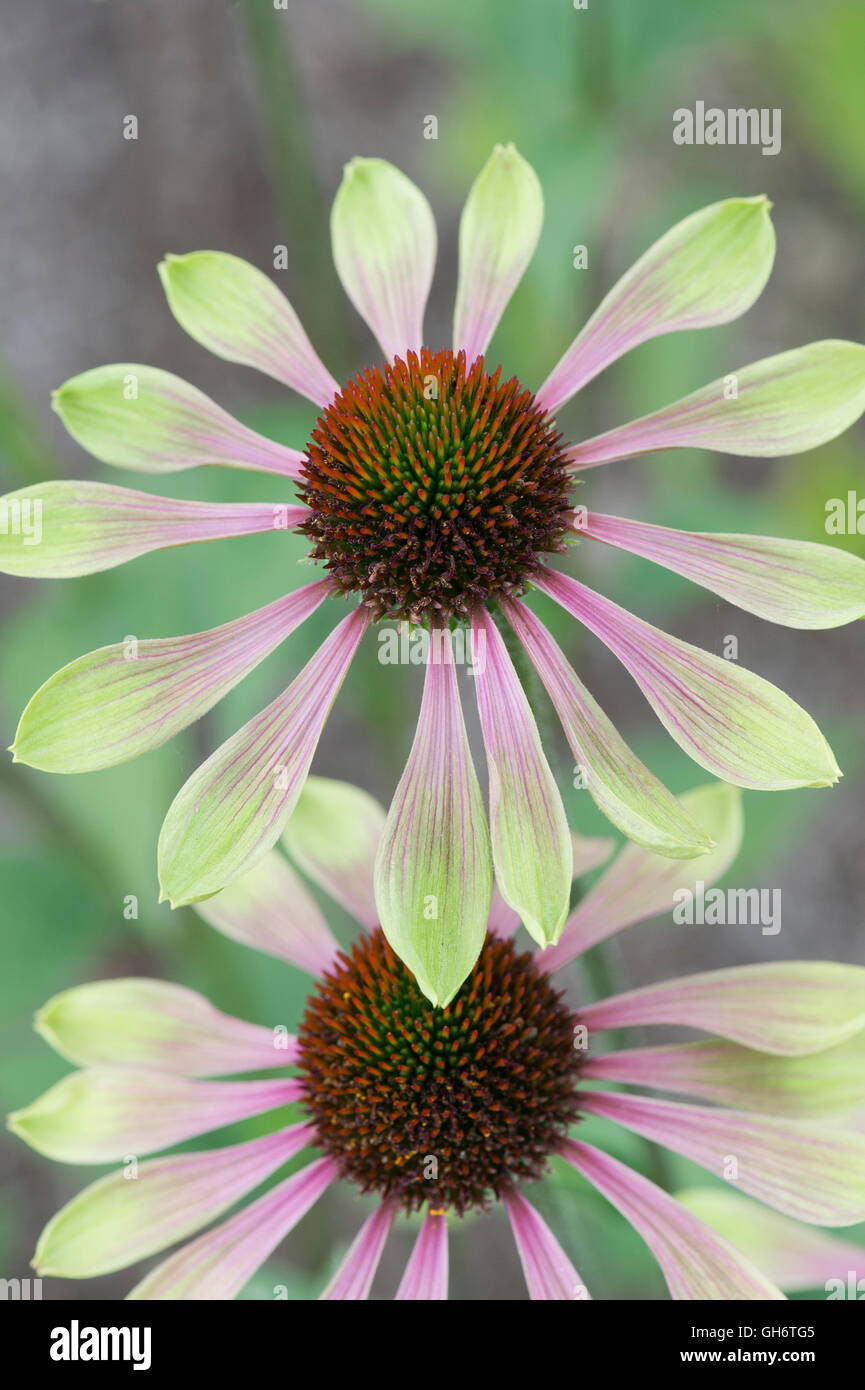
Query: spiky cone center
433, 487
449, 1107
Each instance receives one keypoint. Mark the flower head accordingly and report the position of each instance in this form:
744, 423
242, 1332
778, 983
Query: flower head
435, 489
456, 1109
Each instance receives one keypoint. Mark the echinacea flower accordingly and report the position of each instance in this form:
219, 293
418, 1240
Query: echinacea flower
433, 491
447, 1111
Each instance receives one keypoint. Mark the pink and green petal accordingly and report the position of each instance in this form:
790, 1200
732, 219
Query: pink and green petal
384, 248
63, 529
794, 1257
238, 313
549, 1274
620, 785
791, 1008
781, 405
803, 1170
124, 700
235, 806
150, 1023
830, 1083
433, 874
503, 921
353, 1280
696, 1262
499, 230
706, 270
732, 722
639, 884
590, 852
105, 1114
531, 842
133, 416
271, 910
796, 583
216, 1266
333, 836
426, 1274
131, 1214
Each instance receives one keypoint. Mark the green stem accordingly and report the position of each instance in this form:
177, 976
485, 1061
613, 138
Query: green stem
297, 188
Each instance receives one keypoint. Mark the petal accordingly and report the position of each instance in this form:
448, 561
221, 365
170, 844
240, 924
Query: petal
803, 1170
139, 1211
793, 1256
353, 1279
548, 1271
216, 1266
531, 843
270, 910
639, 884
63, 529
433, 874
233, 809
790, 1008
384, 249
149, 1023
333, 835
822, 1083
706, 270
696, 1262
238, 313
121, 701
795, 583
781, 405
626, 791
729, 720
590, 852
426, 1274
141, 417
107, 1113
502, 921
499, 230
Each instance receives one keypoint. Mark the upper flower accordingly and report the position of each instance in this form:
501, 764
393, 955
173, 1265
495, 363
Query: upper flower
435, 488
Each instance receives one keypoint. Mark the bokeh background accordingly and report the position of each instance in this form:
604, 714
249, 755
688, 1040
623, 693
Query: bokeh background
246, 115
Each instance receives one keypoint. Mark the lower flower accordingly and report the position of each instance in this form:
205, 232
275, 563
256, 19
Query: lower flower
448, 1111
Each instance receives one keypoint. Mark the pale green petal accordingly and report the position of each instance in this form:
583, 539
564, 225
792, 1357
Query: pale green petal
499, 230
796, 583
781, 405
238, 313
639, 884
817, 1084
150, 1023
333, 836
433, 877
235, 806
731, 721
706, 270
121, 701
139, 417
531, 843
793, 1256
123, 1218
109, 1114
384, 249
